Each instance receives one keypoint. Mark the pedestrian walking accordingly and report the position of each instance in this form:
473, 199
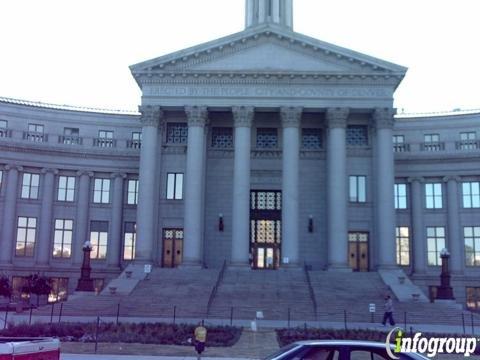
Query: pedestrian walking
388, 315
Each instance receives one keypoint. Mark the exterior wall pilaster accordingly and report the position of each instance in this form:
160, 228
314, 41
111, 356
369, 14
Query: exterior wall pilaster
146, 224
193, 224
418, 226
83, 204
291, 119
242, 117
385, 216
337, 189
455, 238
46, 218
9, 214
115, 240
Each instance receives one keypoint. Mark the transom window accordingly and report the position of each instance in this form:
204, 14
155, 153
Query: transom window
132, 192
357, 135
62, 243
357, 189
311, 138
101, 191
98, 239
435, 244
66, 188
400, 194
471, 236
177, 133
129, 239
30, 185
26, 233
433, 196
222, 137
267, 138
471, 194
174, 186
403, 245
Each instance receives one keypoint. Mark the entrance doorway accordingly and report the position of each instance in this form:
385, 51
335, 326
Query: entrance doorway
265, 228
172, 247
358, 251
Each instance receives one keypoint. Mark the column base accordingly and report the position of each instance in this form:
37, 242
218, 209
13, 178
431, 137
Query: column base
339, 268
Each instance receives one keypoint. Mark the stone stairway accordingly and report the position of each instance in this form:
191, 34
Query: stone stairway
272, 292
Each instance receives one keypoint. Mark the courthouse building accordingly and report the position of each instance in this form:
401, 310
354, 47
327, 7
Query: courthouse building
265, 149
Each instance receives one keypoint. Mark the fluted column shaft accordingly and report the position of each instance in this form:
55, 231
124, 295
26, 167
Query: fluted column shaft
385, 217
418, 231
9, 215
455, 238
146, 224
115, 240
242, 117
46, 218
291, 118
193, 225
337, 189
83, 205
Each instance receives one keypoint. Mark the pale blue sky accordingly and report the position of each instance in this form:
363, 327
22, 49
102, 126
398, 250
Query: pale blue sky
78, 52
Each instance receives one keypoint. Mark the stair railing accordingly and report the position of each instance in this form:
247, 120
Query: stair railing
213, 293
310, 290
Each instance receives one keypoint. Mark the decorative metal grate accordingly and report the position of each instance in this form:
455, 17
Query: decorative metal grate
222, 138
267, 138
312, 139
173, 234
357, 135
177, 133
266, 231
266, 200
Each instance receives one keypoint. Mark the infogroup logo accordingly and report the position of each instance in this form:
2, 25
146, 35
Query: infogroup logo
428, 346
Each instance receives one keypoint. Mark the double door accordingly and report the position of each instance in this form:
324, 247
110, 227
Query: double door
172, 247
358, 251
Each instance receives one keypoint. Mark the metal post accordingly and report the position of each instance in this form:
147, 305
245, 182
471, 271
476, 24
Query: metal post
288, 318
61, 312
473, 325
174, 314
118, 312
405, 320
30, 317
6, 317
96, 334
51, 313
231, 316
463, 323
345, 319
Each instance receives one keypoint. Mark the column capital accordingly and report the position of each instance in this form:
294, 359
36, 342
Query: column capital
118, 175
15, 167
291, 116
49, 170
85, 172
337, 117
419, 179
452, 178
150, 115
383, 118
196, 115
243, 116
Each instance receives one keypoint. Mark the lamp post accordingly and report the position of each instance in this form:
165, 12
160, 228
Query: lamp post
85, 283
445, 291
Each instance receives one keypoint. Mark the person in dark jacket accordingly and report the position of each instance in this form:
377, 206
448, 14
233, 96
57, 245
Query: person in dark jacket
388, 315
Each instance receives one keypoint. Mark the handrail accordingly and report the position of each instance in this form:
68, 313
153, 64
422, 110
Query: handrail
310, 290
216, 286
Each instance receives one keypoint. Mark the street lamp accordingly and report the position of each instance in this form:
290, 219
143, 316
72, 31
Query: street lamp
85, 283
445, 291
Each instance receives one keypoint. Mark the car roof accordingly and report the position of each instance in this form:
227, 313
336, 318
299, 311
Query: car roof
344, 343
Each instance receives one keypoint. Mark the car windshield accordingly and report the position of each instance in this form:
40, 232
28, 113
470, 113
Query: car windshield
281, 351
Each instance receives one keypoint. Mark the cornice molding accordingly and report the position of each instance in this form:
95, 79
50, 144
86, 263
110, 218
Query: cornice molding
291, 116
243, 116
383, 118
150, 115
337, 117
196, 115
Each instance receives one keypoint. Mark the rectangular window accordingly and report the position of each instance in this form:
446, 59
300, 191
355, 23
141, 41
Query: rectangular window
132, 192
433, 196
129, 239
473, 298
30, 185
66, 188
177, 133
3, 124
471, 237
267, 138
101, 191
471, 194
435, 244
400, 194
136, 136
358, 189
431, 138
222, 138
311, 139
62, 241
35, 133
357, 135
468, 141
1, 179
59, 290
105, 138
26, 233
175, 186
98, 239
71, 136
4, 128
431, 142
403, 245
399, 144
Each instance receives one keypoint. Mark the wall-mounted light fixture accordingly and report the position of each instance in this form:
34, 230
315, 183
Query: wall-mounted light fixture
220, 222
310, 223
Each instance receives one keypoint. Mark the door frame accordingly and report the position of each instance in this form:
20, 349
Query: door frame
357, 243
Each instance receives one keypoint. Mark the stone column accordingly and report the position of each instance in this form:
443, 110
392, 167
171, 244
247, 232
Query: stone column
291, 118
384, 200
81, 219
242, 117
115, 239
45, 238
455, 244
193, 226
146, 223
418, 228
9, 214
337, 228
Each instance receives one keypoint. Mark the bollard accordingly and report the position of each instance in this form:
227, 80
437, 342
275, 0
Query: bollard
118, 312
345, 319
174, 314
96, 334
231, 316
288, 317
30, 317
463, 323
61, 312
51, 313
